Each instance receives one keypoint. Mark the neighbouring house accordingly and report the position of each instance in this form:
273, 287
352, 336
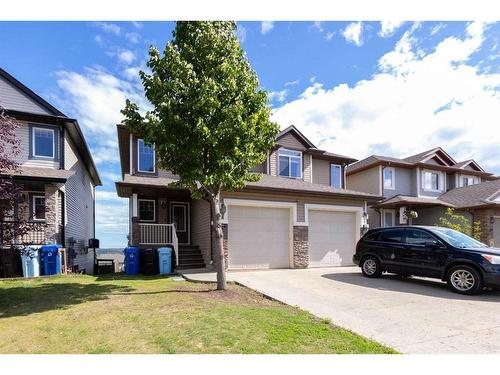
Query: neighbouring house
298, 215
428, 183
57, 175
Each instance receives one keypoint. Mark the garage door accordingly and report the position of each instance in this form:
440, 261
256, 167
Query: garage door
331, 238
259, 237
496, 232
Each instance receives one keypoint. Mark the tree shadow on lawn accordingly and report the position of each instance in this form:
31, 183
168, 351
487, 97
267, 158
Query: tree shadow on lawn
24, 301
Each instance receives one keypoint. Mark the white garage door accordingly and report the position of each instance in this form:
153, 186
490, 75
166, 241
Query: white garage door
496, 232
331, 238
259, 237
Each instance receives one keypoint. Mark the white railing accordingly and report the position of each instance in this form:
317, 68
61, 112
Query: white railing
159, 234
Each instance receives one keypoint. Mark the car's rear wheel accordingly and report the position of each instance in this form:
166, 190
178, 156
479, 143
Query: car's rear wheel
465, 280
370, 266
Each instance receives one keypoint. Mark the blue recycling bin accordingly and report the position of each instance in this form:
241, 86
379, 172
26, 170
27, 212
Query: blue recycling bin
165, 260
31, 262
49, 256
131, 260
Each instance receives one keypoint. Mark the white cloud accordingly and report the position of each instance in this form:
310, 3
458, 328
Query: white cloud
266, 26
437, 28
241, 33
137, 25
99, 40
126, 56
352, 33
132, 73
414, 102
318, 25
292, 83
133, 37
387, 28
329, 35
280, 96
109, 27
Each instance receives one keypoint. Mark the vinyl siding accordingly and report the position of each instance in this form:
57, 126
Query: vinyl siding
321, 171
301, 211
200, 227
431, 215
13, 99
273, 163
23, 134
289, 141
367, 181
307, 162
403, 183
79, 196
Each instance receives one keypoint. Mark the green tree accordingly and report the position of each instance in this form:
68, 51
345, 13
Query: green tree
209, 121
459, 222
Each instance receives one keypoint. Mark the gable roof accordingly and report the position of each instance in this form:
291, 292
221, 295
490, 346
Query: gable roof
465, 163
42, 110
301, 137
482, 194
423, 156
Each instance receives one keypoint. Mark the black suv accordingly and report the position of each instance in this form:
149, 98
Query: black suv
466, 264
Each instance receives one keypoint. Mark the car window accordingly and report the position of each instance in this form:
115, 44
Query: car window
418, 237
371, 236
391, 235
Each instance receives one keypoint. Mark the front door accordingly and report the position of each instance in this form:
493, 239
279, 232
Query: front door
179, 215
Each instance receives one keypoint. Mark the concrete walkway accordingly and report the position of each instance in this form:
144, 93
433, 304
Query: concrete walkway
410, 315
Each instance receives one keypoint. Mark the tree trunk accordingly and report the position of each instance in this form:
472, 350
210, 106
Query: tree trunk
218, 241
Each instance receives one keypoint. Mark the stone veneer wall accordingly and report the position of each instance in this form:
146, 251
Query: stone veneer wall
486, 219
52, 228
225, 244
135, 232
300, 247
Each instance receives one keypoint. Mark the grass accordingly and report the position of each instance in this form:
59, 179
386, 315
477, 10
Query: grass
120, 314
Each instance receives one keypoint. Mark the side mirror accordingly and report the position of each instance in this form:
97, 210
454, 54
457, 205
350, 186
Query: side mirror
434, 245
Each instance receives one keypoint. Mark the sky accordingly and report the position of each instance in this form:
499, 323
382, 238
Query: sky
353, 88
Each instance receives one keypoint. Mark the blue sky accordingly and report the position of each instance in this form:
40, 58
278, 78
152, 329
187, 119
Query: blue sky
355, 88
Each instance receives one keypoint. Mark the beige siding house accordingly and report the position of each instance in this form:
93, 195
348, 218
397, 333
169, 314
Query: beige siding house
57, 175
299, 214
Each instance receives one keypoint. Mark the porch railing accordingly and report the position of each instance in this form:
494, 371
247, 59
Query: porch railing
22, 232
159, 234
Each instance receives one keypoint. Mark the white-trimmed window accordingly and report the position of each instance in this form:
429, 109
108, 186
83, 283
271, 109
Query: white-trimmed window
290, 163
389, 178
145, 156
336, 176
388, 218
432, 181
147, 210
468, 180
38, 207
44, 142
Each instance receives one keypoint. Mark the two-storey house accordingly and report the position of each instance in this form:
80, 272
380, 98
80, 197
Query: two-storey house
428, 183
298, 214
57, 176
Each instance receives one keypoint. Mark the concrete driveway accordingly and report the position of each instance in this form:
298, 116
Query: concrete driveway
410, 315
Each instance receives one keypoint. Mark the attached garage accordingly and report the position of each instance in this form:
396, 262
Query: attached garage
332, 238
259, 237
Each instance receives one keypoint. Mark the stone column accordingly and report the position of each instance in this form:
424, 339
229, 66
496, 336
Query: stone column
300, 246
135, 232
225, 245
486, 219
52, 228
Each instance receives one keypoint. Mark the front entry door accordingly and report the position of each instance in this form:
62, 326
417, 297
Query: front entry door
179, 215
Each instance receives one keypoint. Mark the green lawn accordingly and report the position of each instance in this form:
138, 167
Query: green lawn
120, 314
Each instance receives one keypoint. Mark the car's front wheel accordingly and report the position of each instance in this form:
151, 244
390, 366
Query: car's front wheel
465, 280
370, 266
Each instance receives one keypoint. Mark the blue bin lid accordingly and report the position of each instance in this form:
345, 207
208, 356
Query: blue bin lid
51, 248
131, 250
165, 250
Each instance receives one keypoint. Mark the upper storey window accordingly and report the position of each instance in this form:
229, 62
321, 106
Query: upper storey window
336, 176
432, 181
146, 156
290, 163
468, 180
44, 142
389, 178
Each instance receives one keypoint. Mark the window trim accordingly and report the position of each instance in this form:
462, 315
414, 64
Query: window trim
139, 210
340, 175
393, 179
33, 147
393, 214
440, 181
33, 210
139, 159
290, 164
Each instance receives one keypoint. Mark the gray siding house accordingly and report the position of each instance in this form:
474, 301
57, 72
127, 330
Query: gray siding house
57, 175
298, 215
428, 183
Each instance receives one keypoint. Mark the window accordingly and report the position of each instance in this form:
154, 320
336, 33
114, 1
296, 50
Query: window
391, 235
388, 218
336, 175
146, 210
431, 181
466, 181
389, 178
146, 156
418, 237
43, 142
38, 208
290, 163
371, 236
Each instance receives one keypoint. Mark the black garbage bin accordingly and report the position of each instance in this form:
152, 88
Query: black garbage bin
148, 262
10, 263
